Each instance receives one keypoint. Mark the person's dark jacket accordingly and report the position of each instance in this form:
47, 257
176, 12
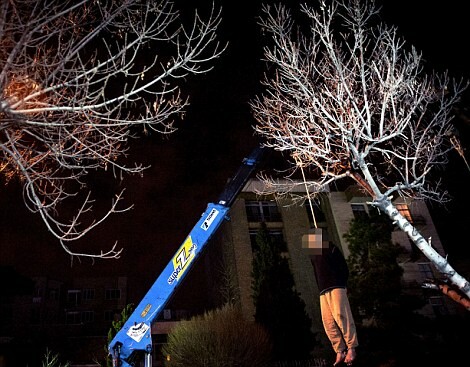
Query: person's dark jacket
331, 269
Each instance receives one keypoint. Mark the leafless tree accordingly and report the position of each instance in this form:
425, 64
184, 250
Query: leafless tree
350, 99
78, 80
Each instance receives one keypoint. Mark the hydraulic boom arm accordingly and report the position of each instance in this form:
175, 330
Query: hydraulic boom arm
135, 336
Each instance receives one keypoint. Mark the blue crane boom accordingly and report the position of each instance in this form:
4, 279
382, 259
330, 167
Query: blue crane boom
135, 336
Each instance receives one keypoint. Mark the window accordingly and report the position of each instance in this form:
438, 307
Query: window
182, 314
438, 305
88, 294
73, 297
112, 294
435, 301
276, 236
359, 210
73, 317
426, 271
112, 315
262, 211
53, 294
317, 212
88, 316
405, 211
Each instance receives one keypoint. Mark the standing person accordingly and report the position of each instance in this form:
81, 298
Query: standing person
331, 274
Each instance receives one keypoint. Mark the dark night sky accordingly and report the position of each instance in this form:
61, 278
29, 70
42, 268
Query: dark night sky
439, 29
189, 169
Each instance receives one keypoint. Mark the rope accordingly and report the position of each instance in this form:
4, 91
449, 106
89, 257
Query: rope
306, 189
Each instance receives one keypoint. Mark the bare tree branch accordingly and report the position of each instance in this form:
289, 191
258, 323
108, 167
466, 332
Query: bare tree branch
78, 80
449, 291
347, 98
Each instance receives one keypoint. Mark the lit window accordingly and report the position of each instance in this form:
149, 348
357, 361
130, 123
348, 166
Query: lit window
405, 211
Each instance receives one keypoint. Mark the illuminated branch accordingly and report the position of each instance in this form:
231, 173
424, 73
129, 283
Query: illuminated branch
77, 80
346, 97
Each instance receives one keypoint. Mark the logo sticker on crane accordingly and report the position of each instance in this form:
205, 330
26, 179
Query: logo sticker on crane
187, 251
182, 259
209, 219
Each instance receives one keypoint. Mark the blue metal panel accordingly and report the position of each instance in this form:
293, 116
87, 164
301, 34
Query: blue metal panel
135, 335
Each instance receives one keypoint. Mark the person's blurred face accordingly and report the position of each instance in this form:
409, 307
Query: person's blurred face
314, 242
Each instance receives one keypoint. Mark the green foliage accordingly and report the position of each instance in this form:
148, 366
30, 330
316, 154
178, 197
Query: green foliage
278, 305
116, 325
219, 338
374, 285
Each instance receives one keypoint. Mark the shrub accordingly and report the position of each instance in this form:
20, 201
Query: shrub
219, 338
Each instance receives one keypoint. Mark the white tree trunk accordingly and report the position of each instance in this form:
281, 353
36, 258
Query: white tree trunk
386, 206
346, 98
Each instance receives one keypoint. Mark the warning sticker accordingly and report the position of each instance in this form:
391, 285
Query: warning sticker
138, 331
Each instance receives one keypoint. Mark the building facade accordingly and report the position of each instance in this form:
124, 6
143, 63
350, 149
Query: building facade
288, 222
77, 313
71, 318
